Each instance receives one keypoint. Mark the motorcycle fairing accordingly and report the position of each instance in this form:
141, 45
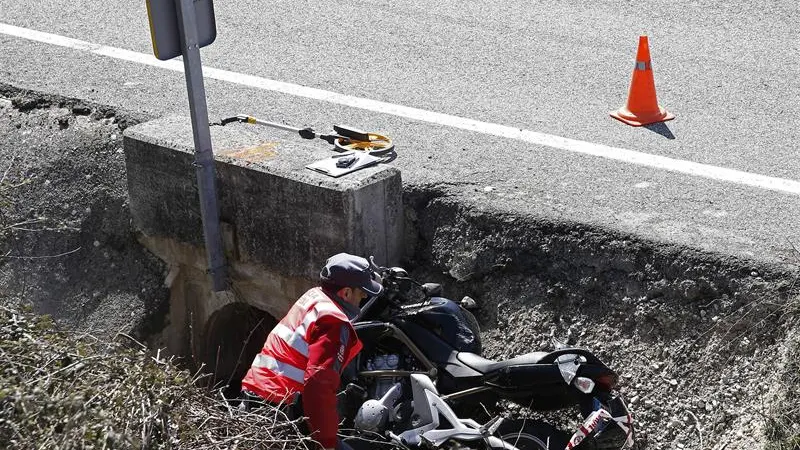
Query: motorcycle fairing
431, 409
448, 321
486, 366
520, 379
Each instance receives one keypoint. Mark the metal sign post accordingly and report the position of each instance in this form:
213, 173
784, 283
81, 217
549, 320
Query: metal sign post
187, 22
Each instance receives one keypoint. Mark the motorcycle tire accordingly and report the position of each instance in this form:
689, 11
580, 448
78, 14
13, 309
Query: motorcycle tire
530, 434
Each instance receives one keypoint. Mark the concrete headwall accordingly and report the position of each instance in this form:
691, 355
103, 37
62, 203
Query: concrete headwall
280, 221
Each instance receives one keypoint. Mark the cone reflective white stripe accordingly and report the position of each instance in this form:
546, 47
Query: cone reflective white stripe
281, 368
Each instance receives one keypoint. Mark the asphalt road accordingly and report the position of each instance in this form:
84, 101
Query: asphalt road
729, 71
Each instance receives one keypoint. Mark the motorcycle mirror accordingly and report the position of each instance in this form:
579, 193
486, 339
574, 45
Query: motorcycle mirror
468, 303
398, 272
432, 289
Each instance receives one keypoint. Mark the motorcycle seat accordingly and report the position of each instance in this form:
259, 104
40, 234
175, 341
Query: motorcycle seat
485, 366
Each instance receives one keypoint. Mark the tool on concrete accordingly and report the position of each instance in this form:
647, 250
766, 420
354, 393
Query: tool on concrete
346, 139
642, 107
359, 149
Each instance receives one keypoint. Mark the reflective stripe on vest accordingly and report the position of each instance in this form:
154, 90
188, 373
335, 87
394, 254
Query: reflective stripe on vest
294, 339
297, 338
287, 370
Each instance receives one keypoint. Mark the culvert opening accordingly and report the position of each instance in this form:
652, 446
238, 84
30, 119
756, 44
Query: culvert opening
234, 335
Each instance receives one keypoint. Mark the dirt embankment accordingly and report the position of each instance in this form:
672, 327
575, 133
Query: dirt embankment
68, 245
705, 344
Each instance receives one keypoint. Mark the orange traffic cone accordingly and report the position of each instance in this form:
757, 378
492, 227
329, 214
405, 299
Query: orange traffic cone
642, 107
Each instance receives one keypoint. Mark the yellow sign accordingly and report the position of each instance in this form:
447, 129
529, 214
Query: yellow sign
164, 29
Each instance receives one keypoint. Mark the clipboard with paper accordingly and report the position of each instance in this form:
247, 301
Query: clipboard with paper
344, 163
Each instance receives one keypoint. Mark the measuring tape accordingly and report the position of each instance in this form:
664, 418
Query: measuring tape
347, 139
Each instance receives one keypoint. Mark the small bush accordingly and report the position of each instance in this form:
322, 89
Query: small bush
70, 391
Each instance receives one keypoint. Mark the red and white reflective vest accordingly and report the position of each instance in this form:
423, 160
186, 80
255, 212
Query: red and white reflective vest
278, 371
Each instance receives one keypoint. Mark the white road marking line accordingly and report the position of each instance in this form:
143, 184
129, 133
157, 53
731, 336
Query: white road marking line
532, 137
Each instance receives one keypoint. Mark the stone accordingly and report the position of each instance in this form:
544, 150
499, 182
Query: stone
279, 221
284, 216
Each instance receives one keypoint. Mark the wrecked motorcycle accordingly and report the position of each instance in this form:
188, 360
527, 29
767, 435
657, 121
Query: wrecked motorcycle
420, 372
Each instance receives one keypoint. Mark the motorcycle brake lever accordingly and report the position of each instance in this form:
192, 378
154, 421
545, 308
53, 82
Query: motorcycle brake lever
491, 426
374, 266
400, 442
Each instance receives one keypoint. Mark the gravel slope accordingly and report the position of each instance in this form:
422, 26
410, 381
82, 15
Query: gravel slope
707, 346
70, 248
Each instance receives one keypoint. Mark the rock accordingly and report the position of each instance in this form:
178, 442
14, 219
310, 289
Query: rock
81, 110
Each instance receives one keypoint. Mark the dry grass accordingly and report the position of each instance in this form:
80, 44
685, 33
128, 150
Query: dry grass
783, 423
73, 391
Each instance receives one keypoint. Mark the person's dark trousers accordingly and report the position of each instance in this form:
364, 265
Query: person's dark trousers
250, 401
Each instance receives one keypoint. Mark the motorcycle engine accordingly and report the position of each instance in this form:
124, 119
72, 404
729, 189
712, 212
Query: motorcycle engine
383, 362
375, 415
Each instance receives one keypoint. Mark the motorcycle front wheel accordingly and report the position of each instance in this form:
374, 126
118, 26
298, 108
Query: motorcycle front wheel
529, 434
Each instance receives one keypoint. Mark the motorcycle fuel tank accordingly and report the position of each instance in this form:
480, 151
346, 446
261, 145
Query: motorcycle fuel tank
445, 318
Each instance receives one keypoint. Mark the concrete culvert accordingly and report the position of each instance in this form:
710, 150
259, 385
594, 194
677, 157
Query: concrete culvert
234, 335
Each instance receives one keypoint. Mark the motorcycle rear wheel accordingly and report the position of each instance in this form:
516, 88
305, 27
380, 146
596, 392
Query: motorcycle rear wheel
529, 434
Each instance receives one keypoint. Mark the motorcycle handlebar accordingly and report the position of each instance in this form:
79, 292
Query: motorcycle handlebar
394, 293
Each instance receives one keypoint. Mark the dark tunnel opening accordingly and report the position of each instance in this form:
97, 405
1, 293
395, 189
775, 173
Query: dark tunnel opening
234, 335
